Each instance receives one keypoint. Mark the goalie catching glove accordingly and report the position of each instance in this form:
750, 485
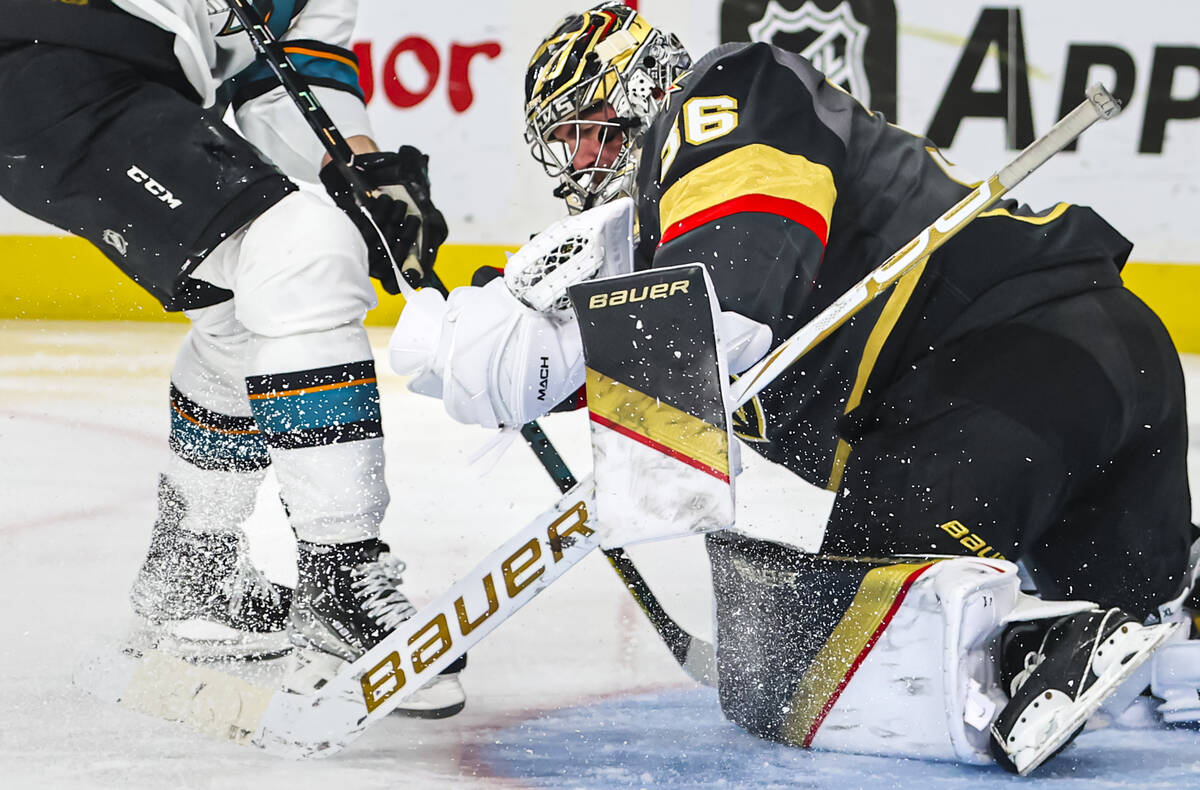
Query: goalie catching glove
401, 208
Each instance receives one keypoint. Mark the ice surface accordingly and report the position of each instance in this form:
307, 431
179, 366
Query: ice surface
575, 692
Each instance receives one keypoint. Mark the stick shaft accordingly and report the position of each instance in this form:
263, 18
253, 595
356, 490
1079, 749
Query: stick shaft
271, 51
679, 641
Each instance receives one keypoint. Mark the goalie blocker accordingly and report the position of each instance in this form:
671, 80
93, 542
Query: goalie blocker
658, 399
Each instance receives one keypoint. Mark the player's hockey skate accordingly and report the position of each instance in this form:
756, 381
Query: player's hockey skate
347, 600
200, 598
1080, 662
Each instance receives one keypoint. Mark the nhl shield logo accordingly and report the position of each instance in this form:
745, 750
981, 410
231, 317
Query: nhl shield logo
852, 41
837, 46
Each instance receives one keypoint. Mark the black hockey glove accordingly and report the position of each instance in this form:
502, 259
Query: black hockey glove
400, 205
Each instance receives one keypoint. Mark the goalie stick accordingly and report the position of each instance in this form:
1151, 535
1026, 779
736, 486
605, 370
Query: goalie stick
322, 723
326, 721
695, 655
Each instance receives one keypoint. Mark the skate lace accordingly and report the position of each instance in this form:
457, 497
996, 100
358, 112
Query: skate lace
246, 580
1033, 659
378, 585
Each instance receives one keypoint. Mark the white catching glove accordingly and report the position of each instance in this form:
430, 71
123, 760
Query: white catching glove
493, 361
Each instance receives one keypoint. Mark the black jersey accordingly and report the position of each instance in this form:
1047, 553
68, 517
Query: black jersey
790, 191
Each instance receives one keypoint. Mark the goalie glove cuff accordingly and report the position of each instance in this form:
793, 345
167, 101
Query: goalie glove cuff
492, 361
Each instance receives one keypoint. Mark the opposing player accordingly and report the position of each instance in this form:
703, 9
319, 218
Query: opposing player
1009, 398
112, 129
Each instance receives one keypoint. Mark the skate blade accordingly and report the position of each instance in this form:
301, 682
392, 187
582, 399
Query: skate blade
203, 640
1061, 729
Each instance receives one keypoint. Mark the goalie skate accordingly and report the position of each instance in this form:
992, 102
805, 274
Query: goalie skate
1081, 661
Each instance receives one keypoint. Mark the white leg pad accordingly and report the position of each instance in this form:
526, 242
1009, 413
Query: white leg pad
929, 687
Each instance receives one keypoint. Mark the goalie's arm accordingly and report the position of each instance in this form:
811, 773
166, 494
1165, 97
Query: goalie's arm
749, 189
495, 362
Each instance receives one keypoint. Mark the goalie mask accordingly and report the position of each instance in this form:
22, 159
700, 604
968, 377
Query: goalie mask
592, 89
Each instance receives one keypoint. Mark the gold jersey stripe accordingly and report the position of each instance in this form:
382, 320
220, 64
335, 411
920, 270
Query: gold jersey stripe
658, 422
879, 595
750, 170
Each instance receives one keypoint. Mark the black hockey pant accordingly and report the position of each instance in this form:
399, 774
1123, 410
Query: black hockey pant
1058, 438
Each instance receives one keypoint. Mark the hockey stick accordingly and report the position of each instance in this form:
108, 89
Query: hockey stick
1099, 105
324, 722
694, 655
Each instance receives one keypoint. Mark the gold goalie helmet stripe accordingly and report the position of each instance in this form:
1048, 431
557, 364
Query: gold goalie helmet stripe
595, 30
593, 26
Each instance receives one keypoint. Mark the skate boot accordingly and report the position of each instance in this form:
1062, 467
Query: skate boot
200, 598
347, 600
1080, 661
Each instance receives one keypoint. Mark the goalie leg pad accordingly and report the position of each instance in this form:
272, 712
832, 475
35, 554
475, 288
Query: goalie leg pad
888, 657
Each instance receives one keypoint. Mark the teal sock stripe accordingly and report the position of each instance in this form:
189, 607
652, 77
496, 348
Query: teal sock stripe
310, 408
211, 440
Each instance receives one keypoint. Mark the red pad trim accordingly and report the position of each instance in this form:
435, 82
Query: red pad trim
662, 448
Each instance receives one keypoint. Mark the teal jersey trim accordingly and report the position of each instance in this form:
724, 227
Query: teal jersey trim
324, 71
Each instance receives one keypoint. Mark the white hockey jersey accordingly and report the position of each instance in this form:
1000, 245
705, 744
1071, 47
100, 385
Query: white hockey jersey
212, 49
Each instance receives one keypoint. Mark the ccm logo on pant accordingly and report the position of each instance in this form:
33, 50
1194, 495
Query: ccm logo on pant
139, 176
626, 295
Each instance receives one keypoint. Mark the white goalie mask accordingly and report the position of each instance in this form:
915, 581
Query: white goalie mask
602, 76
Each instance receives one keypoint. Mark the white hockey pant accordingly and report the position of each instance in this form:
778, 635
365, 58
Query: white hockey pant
282, 375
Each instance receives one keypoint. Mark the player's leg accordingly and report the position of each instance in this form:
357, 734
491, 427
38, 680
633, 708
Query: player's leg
1123, 536
299, 275
1031, 441
155, 182
184, 191
1013, 443
197, 590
